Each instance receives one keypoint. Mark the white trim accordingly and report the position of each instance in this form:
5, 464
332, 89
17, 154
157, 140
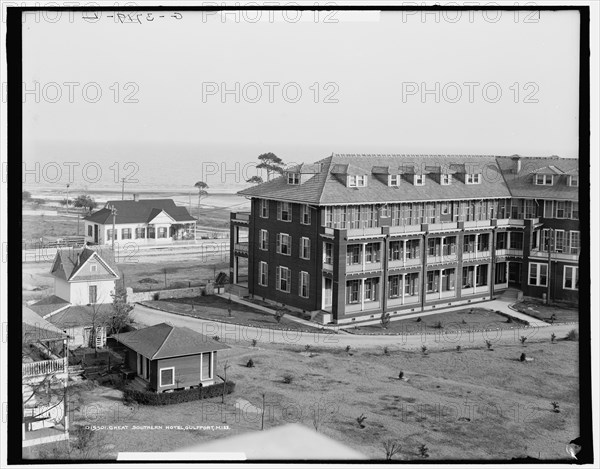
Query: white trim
149, 222
160, 383
573, 278
538, 274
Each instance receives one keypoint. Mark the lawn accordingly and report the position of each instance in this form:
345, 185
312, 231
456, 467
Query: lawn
214, 307
537, 309
475, 404
50, 228
475, 319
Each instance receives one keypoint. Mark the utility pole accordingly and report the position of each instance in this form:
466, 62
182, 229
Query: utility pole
68, 197
122, 188
550, 245
113, 210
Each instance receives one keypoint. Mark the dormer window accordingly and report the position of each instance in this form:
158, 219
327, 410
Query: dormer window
574, 180
446, 179
357, 181
394, 180
293, 179
473, 178
419, 180
543, 179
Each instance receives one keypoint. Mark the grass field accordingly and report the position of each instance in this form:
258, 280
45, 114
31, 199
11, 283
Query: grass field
470, 405
537, 309
466, 319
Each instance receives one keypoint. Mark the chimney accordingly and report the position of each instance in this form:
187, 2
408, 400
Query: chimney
136, 197
517, 166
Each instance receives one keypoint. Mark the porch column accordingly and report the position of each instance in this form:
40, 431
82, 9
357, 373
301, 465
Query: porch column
442, 246
476, 241
507, 239
475, 278
362, 293
403, 286
507, 271
363, 252
489, 277
404, 253
440, 283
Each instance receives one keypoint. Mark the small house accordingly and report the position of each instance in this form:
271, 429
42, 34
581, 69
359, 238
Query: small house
166, 358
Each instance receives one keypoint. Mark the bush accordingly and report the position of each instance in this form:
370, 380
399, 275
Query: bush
288, 378
572, 335
177, 397
156, 296
438, 325
250, 363
254, 342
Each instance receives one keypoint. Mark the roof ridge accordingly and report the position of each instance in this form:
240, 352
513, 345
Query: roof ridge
164, 341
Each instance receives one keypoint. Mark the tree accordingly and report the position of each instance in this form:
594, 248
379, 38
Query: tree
271, 163
202, 192
85, 201
391, 447
27, 194
255, 180
121, 309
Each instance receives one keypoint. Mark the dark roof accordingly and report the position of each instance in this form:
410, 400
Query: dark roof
77, 316
48, 305
521, 184
69, 261
327, 188
166, 341
139, 211
36, 328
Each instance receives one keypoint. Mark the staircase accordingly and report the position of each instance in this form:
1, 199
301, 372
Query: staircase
320, 316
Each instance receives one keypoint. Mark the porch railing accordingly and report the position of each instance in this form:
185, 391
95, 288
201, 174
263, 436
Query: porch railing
45, 367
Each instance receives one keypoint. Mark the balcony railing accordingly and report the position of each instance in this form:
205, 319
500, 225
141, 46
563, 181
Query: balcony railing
443, 258
447, 225
405, 229
470, 256
509, 222
509, 252
365, 231
478, 223
351, 268
45, 367
555, 256
241, 247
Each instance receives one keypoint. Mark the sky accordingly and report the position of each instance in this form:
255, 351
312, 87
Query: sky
362, 80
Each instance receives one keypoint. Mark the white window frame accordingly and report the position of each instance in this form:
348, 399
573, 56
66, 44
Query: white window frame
264, 240
280, 211
419, 180
574, 178
574, 275
538, 265
325, 260
563, 239
304, 284
571, 233
544, 181
264, 208
293, 179
446, 179
305, 217
93, 267
473, 178
160, 381
263, 269
280, 243
304, 241
394, 180
280, 270
211, 368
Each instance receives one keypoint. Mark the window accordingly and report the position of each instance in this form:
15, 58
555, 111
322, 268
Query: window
445, 208
543, 179
483, 242
394, 180
264, 240
167, 376
372, 252
93, 294
151, 231
419, 180
559, 209
353, 254
446, 179
571, 277
411, 285
109, 234
574, 180
93, 267
305, 248
473, 178
293, 178
352, 291
283, 280
264, 208
432, 282
395, 252
357, 181
207, 366
304, 284
530, 209
284, 244
575, 242
126, 233
394, 286
538, 274
284, 211
328, 253
305, 215
559, 240
575, 211
263, 274
501, 240
140, 233
516, 240
90, 230
467, 277
482, 275
162, 232
371, 289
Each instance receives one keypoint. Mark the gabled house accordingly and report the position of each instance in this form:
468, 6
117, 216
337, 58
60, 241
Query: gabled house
45, 374
84, 281
142, 221
166, 358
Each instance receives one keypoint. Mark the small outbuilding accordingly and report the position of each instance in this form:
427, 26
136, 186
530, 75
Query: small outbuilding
168, 358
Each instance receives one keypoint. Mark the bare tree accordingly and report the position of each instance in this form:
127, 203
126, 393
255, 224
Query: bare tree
391, 447
226, 366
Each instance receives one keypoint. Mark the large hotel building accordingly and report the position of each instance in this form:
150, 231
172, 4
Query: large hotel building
352, 236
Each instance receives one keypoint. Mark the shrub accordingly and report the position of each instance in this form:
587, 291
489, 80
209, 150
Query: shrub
250, 363
458, 348
288, 378
522, 357
254, 342
391, 447
488, 344
523, 339
156, 296
419, 319
424, 349
177, 397
347, 349
216, 338
572, 335
386, 350
553, 337
401, 375
555, 407
306, 347
509, 319
424, 451
360, 420
438, 325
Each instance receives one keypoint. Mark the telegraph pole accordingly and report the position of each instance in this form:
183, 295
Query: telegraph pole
68, 197
122, 188
113, 210
550, 245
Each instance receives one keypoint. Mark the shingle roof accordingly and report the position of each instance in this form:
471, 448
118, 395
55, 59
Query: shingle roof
36, 328
48, 305
326, 188
165, 341
139, 211
77, 316
69, 261
521, 184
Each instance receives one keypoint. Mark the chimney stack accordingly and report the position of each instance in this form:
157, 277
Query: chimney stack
517, 166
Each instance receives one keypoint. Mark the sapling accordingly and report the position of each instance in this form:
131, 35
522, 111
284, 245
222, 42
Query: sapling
360, 420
